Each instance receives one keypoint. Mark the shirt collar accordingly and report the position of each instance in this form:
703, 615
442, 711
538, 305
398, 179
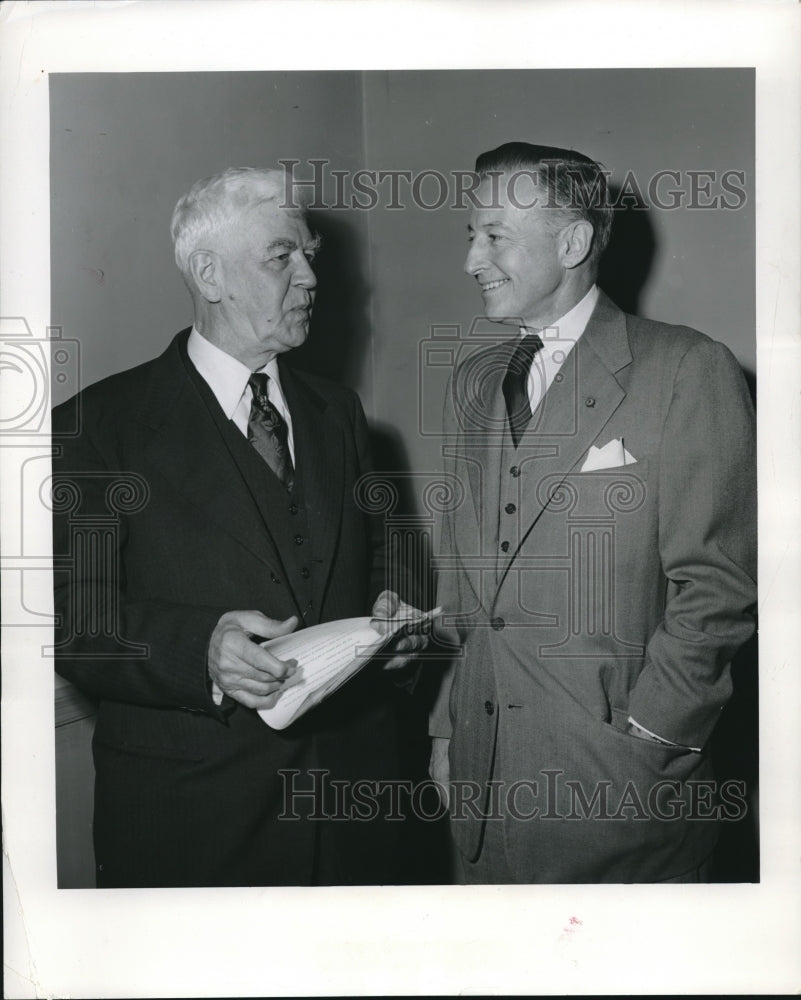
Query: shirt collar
573, 323
227, 378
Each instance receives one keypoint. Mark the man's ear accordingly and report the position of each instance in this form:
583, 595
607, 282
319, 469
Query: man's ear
204, 266
575, 243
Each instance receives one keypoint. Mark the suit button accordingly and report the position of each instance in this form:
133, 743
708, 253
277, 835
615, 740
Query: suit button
504, 546
305, 573
274, 578
498, 624
489, 708
589, 401
510, 508
293, 509
514, 471
558, 377
299, 539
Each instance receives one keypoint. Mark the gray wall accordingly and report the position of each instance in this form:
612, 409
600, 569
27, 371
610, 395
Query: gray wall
124, 147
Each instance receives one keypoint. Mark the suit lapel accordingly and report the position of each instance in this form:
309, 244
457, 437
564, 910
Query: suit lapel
483, 416
572, 414
190, 451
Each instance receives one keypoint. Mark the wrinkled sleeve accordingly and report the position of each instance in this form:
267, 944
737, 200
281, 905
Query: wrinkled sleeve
707, 544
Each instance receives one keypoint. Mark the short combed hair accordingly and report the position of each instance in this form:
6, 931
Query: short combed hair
211, 203
572, 180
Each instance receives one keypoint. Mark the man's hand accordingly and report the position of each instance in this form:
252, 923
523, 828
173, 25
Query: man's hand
439, 767
240, 667
388, 610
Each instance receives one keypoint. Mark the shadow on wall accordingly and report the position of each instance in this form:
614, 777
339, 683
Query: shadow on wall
735, 754
336, 350
627, 261
410, 542
750, 378
340, 331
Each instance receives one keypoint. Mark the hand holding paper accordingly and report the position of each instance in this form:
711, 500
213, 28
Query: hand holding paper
389, 611
242, 669
330, 654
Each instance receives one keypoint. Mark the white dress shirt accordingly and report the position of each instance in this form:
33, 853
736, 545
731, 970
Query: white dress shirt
228, 380
558, 341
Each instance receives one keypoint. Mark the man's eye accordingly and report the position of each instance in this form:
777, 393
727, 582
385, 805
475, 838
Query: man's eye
310, 255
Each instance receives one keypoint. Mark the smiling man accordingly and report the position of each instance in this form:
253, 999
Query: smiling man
601, 569
229, 478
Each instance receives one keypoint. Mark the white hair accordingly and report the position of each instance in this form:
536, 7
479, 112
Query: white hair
211, 203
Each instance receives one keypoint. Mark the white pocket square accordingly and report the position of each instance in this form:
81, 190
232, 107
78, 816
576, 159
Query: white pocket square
611, 456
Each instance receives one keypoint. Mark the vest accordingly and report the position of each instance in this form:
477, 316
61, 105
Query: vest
284, 511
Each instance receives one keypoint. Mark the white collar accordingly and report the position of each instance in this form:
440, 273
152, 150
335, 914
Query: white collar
227, 378
573, 323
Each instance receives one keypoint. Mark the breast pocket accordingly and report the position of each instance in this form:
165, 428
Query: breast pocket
600, 496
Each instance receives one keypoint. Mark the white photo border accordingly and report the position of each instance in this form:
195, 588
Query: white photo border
412, 940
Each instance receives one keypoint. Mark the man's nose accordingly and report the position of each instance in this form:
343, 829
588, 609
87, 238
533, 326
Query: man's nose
304, 273
474, 261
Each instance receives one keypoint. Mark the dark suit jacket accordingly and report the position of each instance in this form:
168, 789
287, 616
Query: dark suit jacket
621, 592
164, 519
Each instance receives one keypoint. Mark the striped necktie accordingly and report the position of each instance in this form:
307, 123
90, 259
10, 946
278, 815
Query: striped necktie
515, 385
268, 432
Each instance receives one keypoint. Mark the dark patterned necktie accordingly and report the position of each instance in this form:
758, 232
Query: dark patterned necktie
515, 385
268, 432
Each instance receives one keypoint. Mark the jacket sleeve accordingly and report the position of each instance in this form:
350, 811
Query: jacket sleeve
448, 583
379, 571
707, 544
142, 652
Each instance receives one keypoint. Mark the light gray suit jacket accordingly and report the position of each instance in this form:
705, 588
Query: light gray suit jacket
583, 598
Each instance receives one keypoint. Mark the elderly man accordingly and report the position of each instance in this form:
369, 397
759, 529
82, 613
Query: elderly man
232, 477
601, 568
